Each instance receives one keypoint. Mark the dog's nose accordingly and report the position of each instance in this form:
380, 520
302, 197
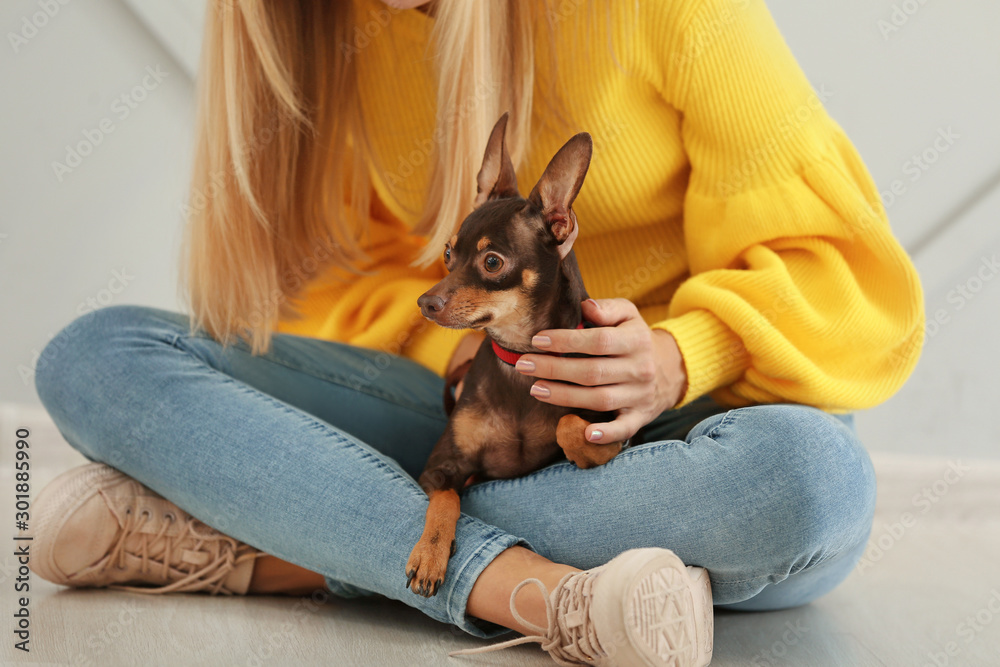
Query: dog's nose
430, 304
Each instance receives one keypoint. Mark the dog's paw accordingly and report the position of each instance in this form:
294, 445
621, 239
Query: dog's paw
571, 436
426, 567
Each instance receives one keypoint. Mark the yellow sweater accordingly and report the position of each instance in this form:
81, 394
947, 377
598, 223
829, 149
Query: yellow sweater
722, 200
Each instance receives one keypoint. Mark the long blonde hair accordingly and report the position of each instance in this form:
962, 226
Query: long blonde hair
273, 201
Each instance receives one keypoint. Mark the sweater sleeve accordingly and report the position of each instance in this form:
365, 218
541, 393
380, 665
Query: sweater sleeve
798, 291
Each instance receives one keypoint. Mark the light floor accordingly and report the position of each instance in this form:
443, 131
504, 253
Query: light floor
930, 592
931, 584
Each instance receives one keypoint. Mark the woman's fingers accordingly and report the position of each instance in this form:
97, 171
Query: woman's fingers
603, 398
622, 428
599, 341
588, 371
623, 372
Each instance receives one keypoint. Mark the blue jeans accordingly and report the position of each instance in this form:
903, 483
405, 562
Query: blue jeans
310, 453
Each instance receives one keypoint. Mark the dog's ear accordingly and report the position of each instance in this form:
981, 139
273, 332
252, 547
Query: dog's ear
557, 188
496, 177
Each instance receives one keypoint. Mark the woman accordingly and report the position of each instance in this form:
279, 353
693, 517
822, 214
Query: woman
750, 296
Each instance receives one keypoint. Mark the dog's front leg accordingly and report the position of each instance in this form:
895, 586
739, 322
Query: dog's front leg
572, 437
443, 477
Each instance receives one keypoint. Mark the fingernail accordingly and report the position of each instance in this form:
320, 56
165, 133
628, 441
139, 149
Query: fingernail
525, 365
594, 303
540, 391
541, 341
596, 435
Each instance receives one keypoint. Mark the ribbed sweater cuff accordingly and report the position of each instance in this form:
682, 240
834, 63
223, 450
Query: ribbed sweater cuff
714, 356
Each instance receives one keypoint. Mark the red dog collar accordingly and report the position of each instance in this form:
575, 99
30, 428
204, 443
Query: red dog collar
511, 357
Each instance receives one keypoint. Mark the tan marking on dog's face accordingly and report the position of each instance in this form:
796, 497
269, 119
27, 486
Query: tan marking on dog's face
511, 318
453, 240
507, 309
529, 278
513, 322
468, 304
507, 315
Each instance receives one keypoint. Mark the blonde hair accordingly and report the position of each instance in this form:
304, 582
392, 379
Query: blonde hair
271, 201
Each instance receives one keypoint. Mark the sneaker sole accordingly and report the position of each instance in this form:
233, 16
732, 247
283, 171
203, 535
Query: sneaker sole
68, 492
666, 609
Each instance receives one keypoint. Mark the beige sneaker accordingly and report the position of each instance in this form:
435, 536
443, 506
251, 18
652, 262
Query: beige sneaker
95, 526
644, 607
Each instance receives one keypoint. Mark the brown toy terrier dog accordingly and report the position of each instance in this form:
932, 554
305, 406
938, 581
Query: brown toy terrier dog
512, 273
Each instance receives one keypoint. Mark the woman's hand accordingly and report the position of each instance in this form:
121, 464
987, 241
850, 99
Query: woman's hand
636, 370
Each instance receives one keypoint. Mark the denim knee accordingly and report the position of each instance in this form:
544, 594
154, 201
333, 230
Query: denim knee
92, 347
814, 479
68, 352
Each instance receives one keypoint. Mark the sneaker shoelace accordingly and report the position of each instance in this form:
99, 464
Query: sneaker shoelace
569, 637
216, 564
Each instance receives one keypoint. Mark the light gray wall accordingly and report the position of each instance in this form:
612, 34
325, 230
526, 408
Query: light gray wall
900, 72
68, 233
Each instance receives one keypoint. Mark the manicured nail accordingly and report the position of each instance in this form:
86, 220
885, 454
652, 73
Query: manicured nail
525, 365
541, 341
594, 303
596, 435
539, 391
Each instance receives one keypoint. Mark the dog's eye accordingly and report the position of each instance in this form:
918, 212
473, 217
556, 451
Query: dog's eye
493, 263
447, 253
